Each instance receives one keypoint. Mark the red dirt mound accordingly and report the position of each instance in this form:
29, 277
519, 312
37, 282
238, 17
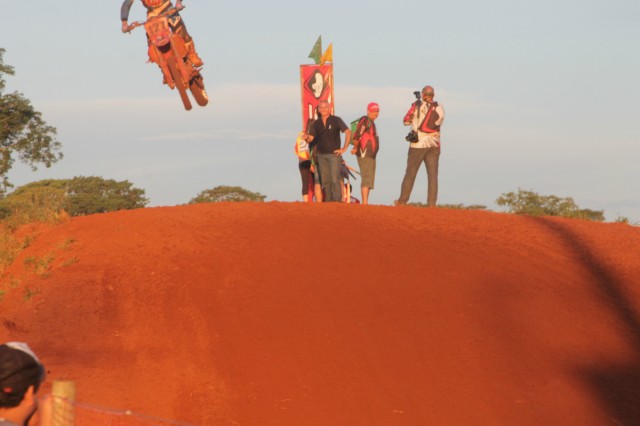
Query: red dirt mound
298, 314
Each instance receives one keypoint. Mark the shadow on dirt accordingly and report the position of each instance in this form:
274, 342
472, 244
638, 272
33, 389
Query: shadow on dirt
616, 386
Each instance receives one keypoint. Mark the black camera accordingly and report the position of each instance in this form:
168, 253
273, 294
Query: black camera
418, 95
412, 137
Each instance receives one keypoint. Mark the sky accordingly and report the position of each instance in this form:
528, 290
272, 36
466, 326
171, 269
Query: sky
539, 95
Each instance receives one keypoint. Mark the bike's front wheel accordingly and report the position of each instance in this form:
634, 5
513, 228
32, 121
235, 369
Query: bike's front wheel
196, 85
177, 79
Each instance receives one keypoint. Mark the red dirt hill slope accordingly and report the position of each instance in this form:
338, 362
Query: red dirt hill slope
297, 314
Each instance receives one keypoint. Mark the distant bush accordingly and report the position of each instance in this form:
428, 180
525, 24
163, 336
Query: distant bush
10, 247
37, 204
532, 204
626, 221
227, 193
622, 219
80, 196
90, 195
452, 206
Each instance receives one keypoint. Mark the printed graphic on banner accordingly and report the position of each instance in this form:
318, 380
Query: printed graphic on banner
317, 86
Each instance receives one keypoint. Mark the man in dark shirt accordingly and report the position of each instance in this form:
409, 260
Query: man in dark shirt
325, 133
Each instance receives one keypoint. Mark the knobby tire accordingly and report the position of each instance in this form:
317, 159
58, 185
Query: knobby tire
196, 85
177, 79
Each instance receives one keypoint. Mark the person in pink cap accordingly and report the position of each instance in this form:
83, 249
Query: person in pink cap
366, 145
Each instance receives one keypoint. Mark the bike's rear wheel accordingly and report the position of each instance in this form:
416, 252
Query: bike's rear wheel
196, 85
177, 79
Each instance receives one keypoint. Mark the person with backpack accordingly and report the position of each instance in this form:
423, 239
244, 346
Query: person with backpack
366, 145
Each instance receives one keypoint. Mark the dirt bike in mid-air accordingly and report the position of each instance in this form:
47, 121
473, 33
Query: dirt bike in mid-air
169, 51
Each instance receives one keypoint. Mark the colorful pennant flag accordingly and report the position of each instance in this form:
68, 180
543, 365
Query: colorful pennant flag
328, 55
316, 52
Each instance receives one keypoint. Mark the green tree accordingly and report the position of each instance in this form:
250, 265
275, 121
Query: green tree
227, 193
80, 196
90, 195
24, 135
533, 204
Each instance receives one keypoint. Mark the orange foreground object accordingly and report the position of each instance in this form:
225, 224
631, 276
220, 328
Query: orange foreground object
207, 314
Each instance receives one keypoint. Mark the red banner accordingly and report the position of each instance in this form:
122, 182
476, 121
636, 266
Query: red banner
317, 85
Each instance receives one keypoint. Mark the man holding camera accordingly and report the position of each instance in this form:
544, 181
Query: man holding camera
425, 118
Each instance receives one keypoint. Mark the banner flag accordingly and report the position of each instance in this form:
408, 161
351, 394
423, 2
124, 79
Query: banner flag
328, 55
317, 85
316, 52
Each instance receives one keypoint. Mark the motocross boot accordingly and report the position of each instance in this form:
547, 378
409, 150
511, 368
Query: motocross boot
193, 55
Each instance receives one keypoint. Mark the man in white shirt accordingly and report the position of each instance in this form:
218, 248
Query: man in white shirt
425, 118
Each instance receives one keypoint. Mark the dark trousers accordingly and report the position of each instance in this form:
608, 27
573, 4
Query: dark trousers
329, 165
430, 157
306, 175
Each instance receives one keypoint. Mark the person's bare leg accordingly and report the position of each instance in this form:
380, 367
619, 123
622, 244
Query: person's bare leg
318, 192
365, 194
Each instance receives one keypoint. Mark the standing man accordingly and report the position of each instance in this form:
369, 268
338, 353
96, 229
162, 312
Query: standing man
365, 146
325, 131
425, 118
21, 374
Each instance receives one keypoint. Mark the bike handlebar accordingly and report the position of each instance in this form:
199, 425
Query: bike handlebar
167, 12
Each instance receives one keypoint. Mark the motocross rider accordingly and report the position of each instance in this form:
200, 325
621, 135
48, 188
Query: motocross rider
156, 7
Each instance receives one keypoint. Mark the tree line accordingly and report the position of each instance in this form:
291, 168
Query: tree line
81, 196
44, 200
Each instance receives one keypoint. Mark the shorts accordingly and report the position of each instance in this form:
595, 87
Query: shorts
367, 171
